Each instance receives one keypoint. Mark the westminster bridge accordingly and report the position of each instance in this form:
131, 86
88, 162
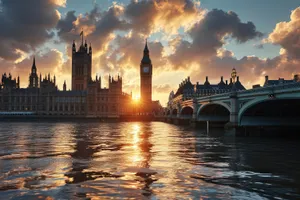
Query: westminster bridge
277, 105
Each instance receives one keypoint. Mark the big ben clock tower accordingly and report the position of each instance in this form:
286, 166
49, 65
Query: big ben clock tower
146, 76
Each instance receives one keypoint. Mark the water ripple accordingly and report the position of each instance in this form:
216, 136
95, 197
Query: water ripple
142, 161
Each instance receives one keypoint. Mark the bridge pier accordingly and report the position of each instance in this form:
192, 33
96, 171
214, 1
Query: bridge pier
232, 128
168, 120
176, 121
193, 123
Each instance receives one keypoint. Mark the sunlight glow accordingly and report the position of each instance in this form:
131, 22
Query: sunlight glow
135, 100
136, 156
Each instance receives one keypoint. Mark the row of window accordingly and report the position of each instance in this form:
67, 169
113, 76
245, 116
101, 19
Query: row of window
19, 99
20, 108
79, 87
67, 108
67, 99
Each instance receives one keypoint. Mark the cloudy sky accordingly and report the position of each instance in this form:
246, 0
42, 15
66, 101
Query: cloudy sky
186, 38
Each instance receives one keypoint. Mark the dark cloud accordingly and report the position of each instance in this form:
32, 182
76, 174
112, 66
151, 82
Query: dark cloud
25, 25
127, 52
208, 36
141, 15
146, 16
65, 26
98, 26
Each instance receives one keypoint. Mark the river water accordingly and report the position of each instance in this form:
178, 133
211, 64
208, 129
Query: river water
142, 161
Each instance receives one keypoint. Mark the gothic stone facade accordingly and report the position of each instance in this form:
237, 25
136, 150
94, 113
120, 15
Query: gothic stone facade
86, 99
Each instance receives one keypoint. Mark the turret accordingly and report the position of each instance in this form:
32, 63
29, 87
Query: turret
18, 84
146, 50
85, 46
146, 58
100, 81
266, 79
90, 49
74, 47
233, 75
33, 68
65, 86
206, 80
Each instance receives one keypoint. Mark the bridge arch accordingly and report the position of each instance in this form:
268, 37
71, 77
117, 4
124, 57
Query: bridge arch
266, 111
187, 111
174, 112
217, 111
168, 112
214, 103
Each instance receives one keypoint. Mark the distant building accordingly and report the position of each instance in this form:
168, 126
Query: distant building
86, 99
280, 81
188, 90
146, 77
33, 77
148, 106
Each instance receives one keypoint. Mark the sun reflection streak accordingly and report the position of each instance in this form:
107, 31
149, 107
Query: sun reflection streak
136, 157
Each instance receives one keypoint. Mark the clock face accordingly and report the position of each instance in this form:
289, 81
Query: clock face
146, 69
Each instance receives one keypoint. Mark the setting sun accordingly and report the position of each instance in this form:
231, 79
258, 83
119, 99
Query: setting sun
136, 100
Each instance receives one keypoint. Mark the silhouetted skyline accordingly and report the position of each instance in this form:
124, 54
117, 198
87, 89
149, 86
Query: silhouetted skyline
186, 38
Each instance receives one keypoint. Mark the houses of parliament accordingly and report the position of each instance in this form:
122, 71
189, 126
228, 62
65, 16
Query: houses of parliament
87, 98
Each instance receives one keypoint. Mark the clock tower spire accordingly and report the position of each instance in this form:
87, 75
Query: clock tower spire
146, 76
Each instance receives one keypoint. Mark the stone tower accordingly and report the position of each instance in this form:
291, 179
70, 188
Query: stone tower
81, 66
146, 76
33, 77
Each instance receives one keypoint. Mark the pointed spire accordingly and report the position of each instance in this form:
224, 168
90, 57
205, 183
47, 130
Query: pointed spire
146, 58
65, 86
73, 47
33, 60
81, 34
146, 50
90, 49
100, 81
18, 81
33, 68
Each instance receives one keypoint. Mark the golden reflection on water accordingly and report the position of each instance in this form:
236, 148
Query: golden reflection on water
136, 151
133, 160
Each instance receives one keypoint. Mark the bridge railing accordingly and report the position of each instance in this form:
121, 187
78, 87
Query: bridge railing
273, 87
240, 92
